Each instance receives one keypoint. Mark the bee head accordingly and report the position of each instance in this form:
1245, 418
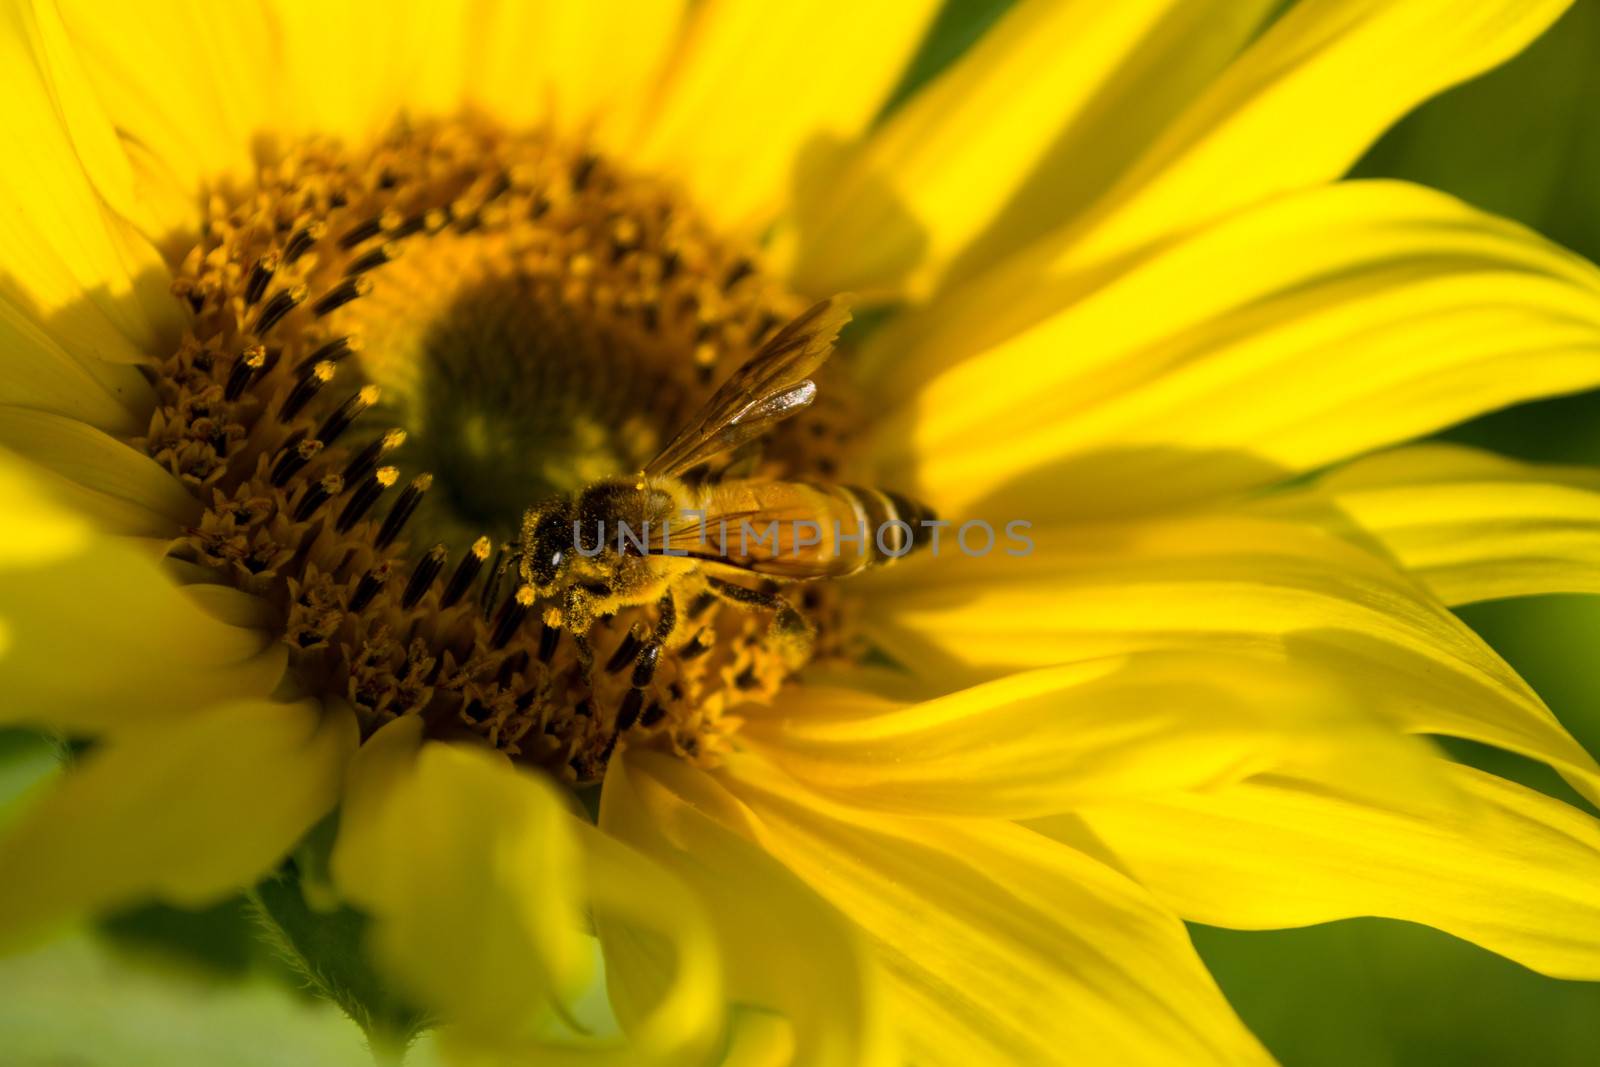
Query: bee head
547, 541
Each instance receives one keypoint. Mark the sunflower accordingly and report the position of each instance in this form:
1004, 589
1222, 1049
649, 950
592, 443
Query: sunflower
304, 304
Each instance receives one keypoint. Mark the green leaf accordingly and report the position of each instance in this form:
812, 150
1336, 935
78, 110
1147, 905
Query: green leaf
220, 938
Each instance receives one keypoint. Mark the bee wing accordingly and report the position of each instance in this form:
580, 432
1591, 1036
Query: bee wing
781, 529
771, 386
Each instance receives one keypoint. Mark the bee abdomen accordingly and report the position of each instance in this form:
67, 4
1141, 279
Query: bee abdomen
895, 524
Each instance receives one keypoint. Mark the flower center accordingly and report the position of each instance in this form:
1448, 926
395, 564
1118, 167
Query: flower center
501, 317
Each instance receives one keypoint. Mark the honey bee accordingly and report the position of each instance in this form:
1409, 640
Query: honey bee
633, 540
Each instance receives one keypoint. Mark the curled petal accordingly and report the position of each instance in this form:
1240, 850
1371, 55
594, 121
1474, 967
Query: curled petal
1078, 963
471, 872
96, 635
827, 987
185, 811
1052, 739
1219, 585
1513, 871
1469, 525
1021, 134
1303, 331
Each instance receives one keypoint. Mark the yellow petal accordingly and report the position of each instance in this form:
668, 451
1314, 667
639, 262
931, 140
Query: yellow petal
71, 351
66, 258
758, 90
382, 768
351, 69
1470, 525
118, 487
1212, 585
590, 68
759, 1040
196, 89
1305, 331
638, 904
1002, 945
96, 636
39, 528
662, 973
784, 950
39, 374
1015, 138
189, 86
185, 811
1300, 106
1515, 872
1049, 740
472, 875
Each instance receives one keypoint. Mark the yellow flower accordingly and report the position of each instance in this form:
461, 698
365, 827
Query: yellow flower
1124, 299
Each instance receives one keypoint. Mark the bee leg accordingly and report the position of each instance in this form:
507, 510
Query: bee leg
575, 618
667, 607
788, 623
644, 662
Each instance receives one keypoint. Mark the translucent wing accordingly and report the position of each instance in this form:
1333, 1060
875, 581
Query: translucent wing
771, 386
787, 530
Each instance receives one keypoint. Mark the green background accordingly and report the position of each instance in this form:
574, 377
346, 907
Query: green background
1523, 141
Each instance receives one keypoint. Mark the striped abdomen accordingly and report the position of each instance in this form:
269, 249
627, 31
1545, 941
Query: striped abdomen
896, 521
